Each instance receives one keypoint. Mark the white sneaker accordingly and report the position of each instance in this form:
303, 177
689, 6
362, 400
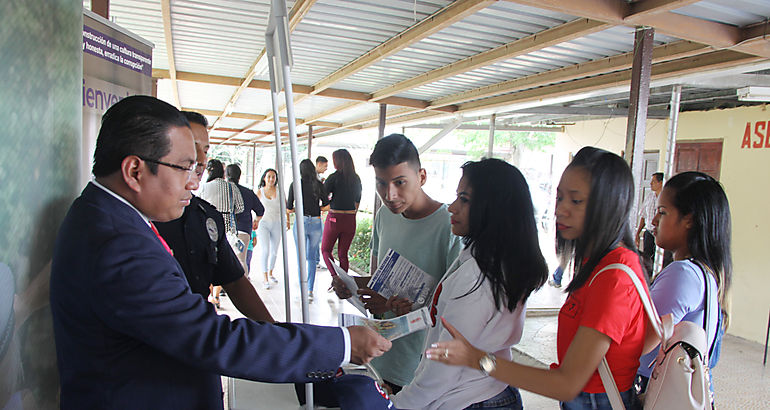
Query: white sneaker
273, 279
266, 285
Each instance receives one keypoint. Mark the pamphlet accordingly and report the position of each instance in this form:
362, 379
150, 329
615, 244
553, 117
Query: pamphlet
398, 276
352, 286
390, 329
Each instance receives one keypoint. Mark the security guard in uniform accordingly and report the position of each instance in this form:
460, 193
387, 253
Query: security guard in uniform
200, 245
201, 248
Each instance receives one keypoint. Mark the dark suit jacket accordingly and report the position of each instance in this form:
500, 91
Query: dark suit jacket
130, 334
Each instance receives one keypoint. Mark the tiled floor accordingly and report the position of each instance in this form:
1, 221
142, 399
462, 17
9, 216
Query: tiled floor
740, 380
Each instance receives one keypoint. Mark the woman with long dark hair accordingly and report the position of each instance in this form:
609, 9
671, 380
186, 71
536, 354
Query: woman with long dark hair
269, 230
314, 200
603, 315
344, 187
485, 290
693, 222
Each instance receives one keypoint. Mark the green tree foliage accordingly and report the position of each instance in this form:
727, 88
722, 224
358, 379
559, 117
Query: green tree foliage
477, 141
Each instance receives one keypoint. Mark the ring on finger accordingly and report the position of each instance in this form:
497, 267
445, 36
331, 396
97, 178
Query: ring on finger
446, 353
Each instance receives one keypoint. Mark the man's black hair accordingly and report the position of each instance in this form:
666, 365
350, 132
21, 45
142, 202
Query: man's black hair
658, 176
321, 159
393, 150
196, 118
233, 172
136, 125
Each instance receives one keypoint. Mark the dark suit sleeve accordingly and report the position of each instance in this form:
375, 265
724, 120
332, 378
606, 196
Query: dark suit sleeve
139, 290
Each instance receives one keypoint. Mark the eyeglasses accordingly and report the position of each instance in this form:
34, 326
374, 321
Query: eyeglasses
189, 169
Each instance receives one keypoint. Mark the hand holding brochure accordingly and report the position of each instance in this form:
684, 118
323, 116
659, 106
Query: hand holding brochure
390, 329
398, 276
352, 287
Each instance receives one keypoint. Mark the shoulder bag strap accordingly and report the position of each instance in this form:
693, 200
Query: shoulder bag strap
706, 306
604, 368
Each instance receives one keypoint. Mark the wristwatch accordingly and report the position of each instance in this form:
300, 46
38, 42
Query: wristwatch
488, 363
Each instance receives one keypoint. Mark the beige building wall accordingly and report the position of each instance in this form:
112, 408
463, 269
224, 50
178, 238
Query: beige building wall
745, 174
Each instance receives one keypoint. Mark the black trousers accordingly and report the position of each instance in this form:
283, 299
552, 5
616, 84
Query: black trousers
648, 253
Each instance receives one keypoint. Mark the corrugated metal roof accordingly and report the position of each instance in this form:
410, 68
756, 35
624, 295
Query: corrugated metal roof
735, 12
334, 33
615, 40
224, 37
494, 26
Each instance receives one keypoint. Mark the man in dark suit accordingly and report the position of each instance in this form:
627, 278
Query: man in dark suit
129, 333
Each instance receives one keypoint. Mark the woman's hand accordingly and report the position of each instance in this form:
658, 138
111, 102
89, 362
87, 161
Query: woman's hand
457, 352
399, 306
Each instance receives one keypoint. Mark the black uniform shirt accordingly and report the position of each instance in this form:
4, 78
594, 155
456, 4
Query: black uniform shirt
201, 248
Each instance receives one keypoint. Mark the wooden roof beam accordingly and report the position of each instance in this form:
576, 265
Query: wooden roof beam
298, 89
645, 8
620, 12
667, 69
710, 61
439, 20
546, 38
665, 52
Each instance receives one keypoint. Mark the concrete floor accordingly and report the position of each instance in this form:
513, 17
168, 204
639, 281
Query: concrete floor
740, 380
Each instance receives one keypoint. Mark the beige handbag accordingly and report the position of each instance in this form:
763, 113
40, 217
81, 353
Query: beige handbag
680, 379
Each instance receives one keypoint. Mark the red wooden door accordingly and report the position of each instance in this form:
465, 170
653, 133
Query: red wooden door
705, 157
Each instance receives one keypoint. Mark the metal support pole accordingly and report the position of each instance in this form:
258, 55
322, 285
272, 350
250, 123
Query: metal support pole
449, 127
377, 202
281, 192
309, 142
491, 148
254, 181
673, 120
279, 25
638, 100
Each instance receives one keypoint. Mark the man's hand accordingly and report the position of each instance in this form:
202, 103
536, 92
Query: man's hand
340, 288
399, 306
373, 301
366, 344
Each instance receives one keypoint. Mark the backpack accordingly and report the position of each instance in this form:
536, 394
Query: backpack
680, 379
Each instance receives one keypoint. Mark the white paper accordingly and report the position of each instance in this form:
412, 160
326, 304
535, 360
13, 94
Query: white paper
390, 329
398, 276
352, 287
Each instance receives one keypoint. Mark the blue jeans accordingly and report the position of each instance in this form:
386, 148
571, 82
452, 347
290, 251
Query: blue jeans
313, 231
596, 401
508, 399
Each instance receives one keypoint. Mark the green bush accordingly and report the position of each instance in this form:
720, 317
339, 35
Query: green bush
360, 252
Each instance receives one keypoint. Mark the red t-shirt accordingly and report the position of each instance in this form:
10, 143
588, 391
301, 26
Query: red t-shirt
612, 306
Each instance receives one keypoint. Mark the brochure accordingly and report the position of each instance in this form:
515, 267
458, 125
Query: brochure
390, 329
398, 276
352, 286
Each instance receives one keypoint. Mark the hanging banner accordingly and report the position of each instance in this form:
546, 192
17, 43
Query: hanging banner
116, 64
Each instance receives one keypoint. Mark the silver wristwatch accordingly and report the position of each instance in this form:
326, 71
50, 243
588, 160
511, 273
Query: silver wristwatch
488, 363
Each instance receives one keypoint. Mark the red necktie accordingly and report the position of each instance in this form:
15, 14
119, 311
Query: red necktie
165, 245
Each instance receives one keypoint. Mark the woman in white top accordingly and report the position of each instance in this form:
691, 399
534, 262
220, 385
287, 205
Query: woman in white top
269, 230
484, 292
225, 196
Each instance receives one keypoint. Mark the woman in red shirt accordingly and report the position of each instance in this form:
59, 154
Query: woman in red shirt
603, 315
